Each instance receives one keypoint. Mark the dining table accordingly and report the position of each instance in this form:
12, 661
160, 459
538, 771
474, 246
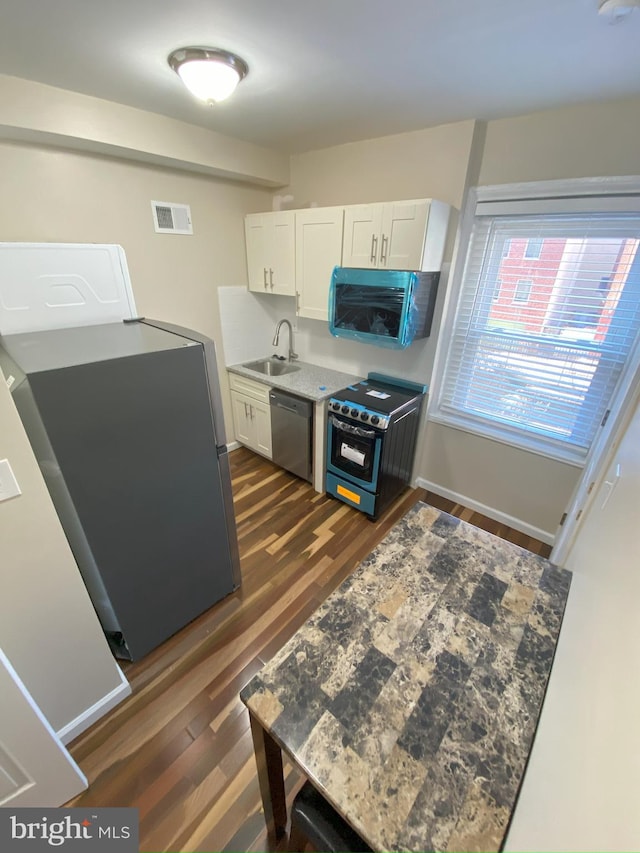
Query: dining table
410, 697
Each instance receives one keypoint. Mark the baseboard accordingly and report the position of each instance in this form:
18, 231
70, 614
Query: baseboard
91, 715
489, 511
233, 445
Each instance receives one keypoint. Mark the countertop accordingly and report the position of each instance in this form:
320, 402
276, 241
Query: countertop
411, 696
312, 381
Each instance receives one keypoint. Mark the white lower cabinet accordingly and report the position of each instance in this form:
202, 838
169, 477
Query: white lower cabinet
251, 414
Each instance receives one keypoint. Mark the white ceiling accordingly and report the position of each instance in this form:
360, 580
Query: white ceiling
323, 72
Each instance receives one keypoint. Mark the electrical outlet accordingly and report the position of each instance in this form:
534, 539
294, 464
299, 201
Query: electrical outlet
9, 487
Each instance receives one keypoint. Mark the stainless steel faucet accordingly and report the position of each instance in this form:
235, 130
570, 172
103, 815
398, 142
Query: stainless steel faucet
276, 337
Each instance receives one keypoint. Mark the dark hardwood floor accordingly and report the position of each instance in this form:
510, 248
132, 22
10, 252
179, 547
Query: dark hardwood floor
179, 748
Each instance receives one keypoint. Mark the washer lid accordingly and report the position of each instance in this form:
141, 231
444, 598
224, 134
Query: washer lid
61, 285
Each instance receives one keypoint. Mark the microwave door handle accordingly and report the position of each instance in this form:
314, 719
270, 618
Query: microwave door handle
374, 248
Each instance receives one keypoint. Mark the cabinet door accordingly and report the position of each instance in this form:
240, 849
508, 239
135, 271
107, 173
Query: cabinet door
318, 251
255, 231
242, 421
361, 241
404, 224
261, 416
281, 253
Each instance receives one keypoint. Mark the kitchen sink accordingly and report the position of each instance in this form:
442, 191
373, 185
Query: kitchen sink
272, 367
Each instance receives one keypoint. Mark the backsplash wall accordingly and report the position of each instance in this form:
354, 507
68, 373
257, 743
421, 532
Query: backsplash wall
249, 320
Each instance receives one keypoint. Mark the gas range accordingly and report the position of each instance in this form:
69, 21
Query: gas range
371, 436
373, 402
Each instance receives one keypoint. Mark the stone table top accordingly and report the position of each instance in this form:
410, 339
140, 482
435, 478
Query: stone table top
411, 697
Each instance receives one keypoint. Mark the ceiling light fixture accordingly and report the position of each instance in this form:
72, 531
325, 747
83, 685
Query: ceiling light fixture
208, 73
617, 9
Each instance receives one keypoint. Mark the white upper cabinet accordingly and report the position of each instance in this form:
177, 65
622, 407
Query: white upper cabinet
270, 239
361, 239
318, 251
396, 235
293, 252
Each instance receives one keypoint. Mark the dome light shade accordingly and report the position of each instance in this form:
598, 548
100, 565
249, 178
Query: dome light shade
208, 73
617, 8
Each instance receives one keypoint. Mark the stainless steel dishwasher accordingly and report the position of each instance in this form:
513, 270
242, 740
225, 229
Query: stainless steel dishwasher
291, 432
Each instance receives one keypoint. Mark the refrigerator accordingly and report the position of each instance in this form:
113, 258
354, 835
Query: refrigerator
125, 420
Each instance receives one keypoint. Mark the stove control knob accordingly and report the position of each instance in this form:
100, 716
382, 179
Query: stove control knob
354, 413
345, 410
364, 416
375, 419
336, 406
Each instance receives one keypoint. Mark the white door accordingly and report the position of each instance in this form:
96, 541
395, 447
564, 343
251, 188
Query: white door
281, 253
582, 784
255, 232
261, 416
606, 545
318, 251
35, 768
404, 225
245, 434
361, 242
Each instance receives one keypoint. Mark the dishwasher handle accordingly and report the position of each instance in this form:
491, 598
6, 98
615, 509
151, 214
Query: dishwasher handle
290, 403
280, 405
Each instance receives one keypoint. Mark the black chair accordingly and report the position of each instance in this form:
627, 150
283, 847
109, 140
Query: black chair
314, 820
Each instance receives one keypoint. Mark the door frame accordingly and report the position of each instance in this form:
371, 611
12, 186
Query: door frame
36, 762
623, 405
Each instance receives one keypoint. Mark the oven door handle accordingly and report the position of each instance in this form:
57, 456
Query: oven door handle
352, 429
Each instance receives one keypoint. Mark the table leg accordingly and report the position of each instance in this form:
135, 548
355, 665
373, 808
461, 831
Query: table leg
271, 780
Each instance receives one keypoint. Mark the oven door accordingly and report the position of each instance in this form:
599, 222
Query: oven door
353, 451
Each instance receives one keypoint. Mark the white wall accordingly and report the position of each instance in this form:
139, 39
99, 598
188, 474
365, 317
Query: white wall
590, 140
48, 627
249, 322
34, 112
429, 163
588, 732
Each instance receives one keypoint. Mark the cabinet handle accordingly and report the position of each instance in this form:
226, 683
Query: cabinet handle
271, 278
383, 250
264, 276
246, 413
374, 248
251, 411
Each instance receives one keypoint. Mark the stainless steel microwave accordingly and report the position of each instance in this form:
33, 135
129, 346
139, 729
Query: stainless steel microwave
389, 308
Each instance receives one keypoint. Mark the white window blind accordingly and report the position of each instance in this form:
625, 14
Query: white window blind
539, 370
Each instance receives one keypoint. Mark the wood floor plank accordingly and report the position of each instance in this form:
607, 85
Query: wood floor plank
179, 748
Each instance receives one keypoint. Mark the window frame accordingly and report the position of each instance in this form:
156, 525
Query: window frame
575, 195
518, 297
536, 255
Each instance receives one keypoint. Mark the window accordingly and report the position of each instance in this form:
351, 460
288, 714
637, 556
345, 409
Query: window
534, 361
534, 248
523, 290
